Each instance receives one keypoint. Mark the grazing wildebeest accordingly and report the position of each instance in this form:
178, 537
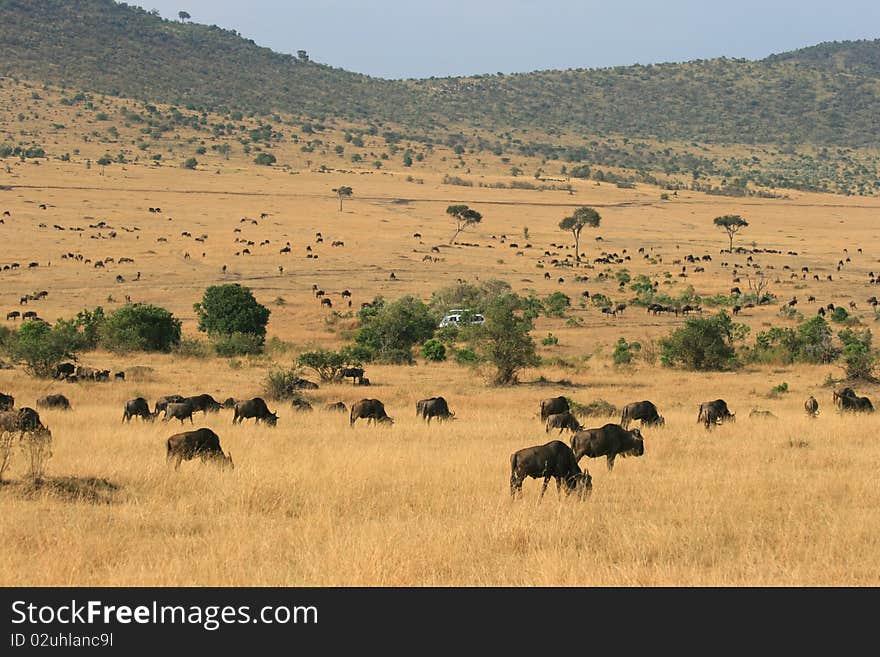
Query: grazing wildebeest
162, 402
137, 407
645, 411
337, 406
254, 408
356, 374
229, 402
22, 419
203, 443
714, 412
554, 459
179, 410
119, 376
205, 403
552, 406
14, 314
847, 400
433, 407
811, 406
54, 401
562, 421
609, 441
371, 409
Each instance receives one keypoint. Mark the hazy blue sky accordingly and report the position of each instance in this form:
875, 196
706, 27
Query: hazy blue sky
399, 38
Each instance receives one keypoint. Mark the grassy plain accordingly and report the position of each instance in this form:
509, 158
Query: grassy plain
777, 502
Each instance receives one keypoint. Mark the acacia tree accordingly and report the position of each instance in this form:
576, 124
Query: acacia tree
732, 223
343, 192
583, 216
183, 16
464, 217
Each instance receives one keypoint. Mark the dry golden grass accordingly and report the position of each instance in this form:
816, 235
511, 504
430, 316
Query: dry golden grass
772, 502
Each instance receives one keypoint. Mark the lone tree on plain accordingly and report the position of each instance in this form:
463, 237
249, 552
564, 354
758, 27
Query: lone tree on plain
343, 192
183, 16
464, 217
581, 217
732, 223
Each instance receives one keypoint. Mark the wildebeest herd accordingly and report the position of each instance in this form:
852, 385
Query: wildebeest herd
553, 460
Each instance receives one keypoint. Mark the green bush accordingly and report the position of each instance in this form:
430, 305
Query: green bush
327, 364
265, 159
140, 328
810, 342
390, 330
231, 308
434, 350
624, 352
282, 384
504, 339
556, 304
466, 356
859, 359
703, 344
237, 344
839, 315
188, 163
40, 347
550, 341
193, 348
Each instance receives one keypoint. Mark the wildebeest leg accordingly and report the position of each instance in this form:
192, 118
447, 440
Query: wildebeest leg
515, 486
544, 486
611, 462
125, 416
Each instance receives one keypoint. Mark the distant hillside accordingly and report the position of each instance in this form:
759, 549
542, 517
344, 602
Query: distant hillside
815, 101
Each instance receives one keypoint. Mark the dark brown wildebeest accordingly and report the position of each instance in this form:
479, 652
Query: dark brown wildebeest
433, 407
22, 419
13, 315
119, 376
7, 402
609, 441
356, 374
645, 411
203, 443
229, 402
137, 407
300, 405
563, 421
205, 403
552, 406
371, 409
714, 412
54, 401
162, 402
254, 408
337, 406
179, 410
554, 459
811, 406
64, 370
847, 400
326, 302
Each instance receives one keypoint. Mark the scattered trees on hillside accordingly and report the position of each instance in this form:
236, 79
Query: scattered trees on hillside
575, 223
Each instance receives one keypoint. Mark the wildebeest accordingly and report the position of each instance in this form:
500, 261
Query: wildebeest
356, 374
63, 370
608, 441
337, 406
137, 407
205, 403
54, 401
7, 402
562, 421
203, 443
254, 408
847, 400
229, 402
300, 405
554, 459
645, 411
811, 406
371, 409
714, 412
14, 314
22, 419
433, 407
552, 406
162, 402
179, 410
